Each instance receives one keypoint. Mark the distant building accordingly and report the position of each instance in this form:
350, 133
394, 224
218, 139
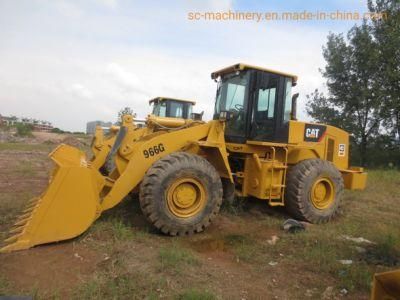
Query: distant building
37, 125
91, 126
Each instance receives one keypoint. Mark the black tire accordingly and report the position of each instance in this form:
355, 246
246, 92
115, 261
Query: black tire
228, 191
159, 179
300, 181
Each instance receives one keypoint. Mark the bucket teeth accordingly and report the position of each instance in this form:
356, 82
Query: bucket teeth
21, 222
24, 217
29, 209
33, 201
33, 204
12, 238
19, 227
17, 230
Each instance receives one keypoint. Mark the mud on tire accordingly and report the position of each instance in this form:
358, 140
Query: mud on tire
159, 180
300, 182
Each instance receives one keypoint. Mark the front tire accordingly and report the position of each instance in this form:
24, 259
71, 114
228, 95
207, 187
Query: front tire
314, 189
181, 194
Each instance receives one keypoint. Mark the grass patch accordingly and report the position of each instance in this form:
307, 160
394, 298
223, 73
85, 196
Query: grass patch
106, 287
243, 247
26, 147
387, 176
386, 252
355, 277
120, 230
174, 257
4, 286
122, 286
26, 169
195, 294
319, 253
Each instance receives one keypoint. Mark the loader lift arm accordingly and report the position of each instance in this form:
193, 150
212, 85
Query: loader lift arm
148, 151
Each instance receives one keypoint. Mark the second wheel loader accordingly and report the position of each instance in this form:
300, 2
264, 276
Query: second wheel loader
254, 146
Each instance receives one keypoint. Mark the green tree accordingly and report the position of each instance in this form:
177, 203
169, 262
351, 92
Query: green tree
386, 31
24, 130
353, 102
125, 111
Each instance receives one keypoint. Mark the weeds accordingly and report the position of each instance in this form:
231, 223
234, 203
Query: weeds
106, 287
355, 277
243, 247
121, 231
194, 294
4, 286
26, 169
174, 257
385, 252
121, 286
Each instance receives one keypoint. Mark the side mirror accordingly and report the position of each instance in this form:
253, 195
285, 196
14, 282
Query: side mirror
197, 116
293, 115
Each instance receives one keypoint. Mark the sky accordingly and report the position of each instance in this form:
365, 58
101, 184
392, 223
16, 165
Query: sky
70, 62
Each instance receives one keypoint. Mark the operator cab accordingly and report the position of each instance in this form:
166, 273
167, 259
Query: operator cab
257, 102
172, 108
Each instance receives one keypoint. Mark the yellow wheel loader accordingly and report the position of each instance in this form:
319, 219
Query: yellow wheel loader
254, 146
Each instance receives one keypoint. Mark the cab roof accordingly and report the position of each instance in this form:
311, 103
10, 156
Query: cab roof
169, 98
241, 66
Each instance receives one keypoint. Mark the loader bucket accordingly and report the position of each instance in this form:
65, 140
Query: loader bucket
386, 286
69, 205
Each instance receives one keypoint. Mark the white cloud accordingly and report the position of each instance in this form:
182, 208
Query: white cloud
123, 78
81, 91
108, 3
70, 71
68, 9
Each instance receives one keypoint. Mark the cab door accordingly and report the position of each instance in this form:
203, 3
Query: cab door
265, 108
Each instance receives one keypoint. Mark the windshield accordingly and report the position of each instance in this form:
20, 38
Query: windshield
160, 108
232, 97
176, 109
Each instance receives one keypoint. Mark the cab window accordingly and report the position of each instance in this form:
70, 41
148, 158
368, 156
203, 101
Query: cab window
266, 103
288, 101
160, 109
176, 110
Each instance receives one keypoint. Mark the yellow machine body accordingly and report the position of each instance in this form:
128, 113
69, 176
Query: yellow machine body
386, 286
79, 191
266, 163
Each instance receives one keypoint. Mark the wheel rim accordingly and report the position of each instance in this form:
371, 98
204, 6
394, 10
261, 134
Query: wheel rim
322, 195
186, 197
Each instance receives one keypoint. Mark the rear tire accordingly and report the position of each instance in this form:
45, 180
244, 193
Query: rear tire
314, 189
181, 194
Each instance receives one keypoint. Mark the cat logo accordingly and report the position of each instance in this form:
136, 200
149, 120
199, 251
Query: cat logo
314, 133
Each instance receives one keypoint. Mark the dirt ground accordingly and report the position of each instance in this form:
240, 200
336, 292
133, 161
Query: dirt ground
244, 254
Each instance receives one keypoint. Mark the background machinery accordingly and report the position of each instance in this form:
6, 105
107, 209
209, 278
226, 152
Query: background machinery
167, 113
254, 146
